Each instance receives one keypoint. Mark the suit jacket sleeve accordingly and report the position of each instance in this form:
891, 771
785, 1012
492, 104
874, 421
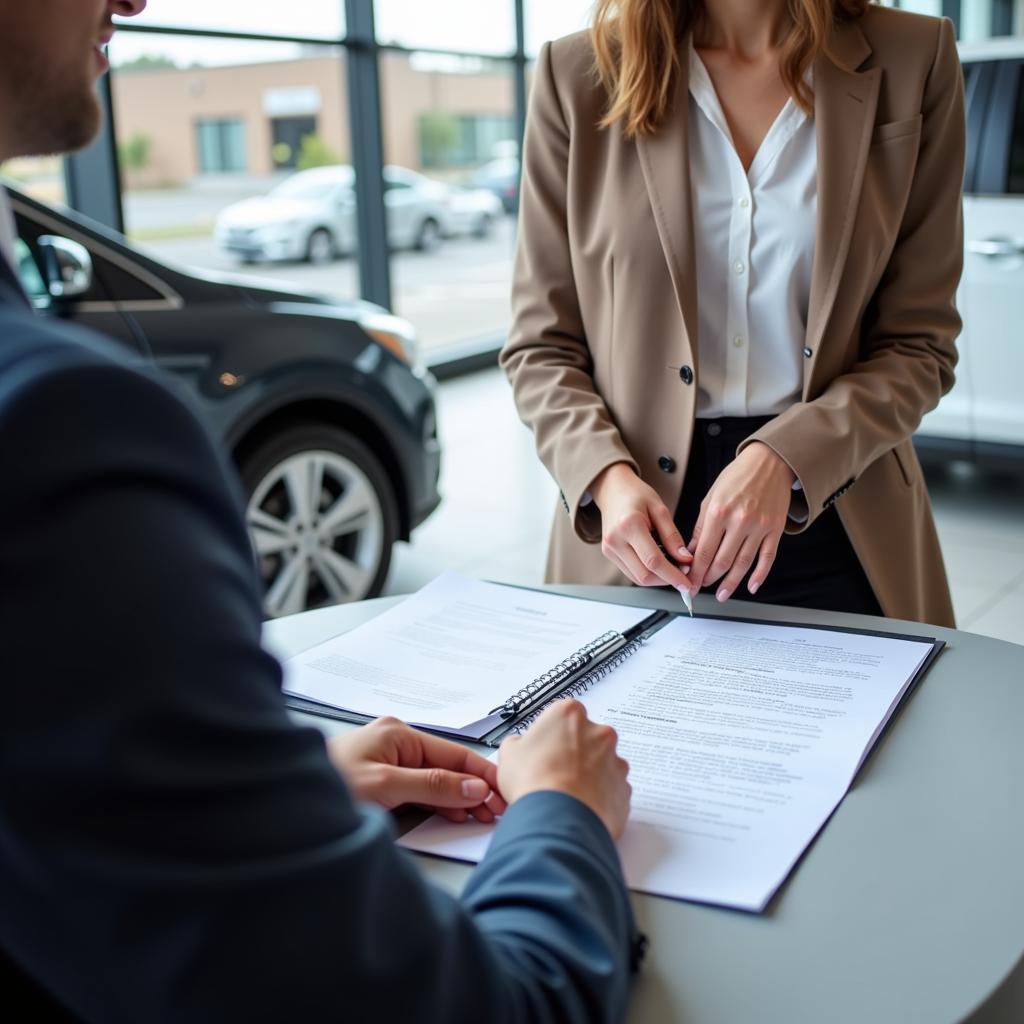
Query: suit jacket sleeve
547, 357
907, 349
172, 847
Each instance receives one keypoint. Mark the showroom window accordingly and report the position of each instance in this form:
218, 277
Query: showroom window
248, 96
448, 124
245, 164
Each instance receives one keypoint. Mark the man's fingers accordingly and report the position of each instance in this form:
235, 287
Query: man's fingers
441, 753
765, 561
435, 787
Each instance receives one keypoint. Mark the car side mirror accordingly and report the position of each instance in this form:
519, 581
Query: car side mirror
67, 267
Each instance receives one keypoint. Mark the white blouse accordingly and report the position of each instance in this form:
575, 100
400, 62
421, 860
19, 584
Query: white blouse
754, 247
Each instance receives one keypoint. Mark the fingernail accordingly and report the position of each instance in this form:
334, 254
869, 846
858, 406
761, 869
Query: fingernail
682, 552
753, 586
475, 789
686, 570
723, 594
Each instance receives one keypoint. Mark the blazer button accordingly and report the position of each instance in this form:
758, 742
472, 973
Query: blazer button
666, 464
808, 353
686, 375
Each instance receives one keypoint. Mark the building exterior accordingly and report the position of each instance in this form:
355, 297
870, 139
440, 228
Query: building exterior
175, 125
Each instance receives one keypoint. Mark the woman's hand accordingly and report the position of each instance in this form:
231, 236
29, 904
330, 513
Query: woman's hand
741, 519
633, 522
389, 763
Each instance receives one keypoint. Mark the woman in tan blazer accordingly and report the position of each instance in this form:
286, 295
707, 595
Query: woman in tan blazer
740, 241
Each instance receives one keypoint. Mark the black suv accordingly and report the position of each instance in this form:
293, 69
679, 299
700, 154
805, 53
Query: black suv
322, 404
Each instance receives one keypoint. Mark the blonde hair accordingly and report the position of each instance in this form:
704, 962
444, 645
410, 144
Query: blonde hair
637, 43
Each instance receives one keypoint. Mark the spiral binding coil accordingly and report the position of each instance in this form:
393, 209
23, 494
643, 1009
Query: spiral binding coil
563, 669
582, 684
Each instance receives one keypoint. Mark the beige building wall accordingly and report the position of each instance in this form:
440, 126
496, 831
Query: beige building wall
165, 105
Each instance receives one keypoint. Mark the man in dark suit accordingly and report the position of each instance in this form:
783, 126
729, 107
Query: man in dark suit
172, 847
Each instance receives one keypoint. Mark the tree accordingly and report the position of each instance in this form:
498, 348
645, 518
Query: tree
134, 152
439, 136
314, 152
147, 62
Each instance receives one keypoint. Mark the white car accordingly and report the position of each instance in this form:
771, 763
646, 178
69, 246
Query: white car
982, 418
472, 211
311, 216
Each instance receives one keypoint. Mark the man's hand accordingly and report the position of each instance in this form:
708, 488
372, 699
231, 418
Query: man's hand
741, 520
564, 751
390, 763
633, 521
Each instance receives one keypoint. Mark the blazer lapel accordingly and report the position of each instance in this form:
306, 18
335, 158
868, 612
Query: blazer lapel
665, 163
845, 101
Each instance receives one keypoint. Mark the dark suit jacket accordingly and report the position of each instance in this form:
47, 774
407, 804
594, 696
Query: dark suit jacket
172, 846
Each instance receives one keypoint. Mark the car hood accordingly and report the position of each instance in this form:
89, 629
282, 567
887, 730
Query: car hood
264, 292
264, 210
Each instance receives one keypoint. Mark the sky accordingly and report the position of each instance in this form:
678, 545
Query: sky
486, 26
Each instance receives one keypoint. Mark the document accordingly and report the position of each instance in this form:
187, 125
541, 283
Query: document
742, 738
447, 656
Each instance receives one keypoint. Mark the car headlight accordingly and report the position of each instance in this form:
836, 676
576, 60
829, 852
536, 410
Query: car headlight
394, 334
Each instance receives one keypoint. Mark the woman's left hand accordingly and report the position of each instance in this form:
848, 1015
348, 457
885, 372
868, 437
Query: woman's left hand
741, 520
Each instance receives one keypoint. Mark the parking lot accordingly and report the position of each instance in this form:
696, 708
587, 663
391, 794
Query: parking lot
458, 293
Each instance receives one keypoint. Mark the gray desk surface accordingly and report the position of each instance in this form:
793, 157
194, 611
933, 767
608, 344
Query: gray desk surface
910, 904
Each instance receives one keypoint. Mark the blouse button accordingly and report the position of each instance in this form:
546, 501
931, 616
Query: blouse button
666, 464
686, 375
744, 202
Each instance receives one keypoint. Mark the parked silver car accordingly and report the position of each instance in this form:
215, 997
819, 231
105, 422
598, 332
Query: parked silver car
311, 216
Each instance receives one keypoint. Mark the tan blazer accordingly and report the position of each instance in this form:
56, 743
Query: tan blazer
602, 353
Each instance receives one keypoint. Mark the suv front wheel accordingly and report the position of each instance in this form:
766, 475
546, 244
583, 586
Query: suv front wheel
323, 518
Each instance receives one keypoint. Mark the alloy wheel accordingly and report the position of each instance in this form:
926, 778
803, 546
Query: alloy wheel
318, 530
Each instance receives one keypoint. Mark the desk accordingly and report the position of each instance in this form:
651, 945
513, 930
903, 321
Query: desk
909, 906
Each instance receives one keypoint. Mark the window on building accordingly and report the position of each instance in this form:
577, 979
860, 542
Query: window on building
220, 145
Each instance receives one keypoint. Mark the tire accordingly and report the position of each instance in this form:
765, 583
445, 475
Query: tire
320, 247
305, 559
428, 238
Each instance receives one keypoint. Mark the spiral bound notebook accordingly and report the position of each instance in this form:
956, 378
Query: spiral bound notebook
468, 659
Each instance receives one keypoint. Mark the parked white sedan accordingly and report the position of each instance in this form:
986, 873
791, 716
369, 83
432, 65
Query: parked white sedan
311, 216
471, 211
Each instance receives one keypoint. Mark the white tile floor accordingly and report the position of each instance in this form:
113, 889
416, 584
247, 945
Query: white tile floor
498, 503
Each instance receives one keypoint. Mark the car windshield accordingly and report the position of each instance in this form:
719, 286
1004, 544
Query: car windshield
297, 189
